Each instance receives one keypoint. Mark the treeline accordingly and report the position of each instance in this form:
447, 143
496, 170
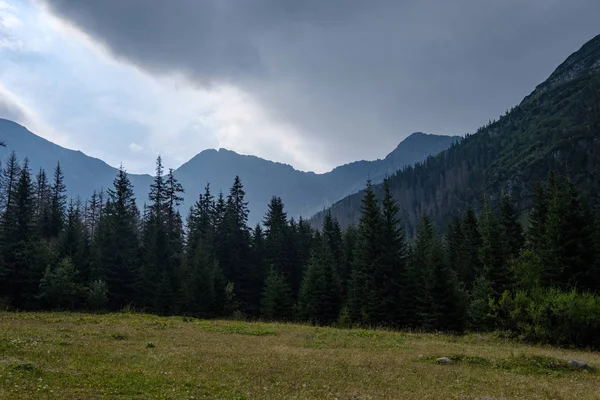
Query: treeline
487, 272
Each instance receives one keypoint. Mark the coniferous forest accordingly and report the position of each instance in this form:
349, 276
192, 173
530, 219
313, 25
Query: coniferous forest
531, 276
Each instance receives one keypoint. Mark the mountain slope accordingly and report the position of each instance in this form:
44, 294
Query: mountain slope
304, 193
83, 174
556, 127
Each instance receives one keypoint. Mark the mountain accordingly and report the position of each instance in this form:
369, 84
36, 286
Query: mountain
304, 193
556, 127
83, 174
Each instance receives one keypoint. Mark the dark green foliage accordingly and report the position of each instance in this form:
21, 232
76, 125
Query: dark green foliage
104, 257
367, 256
59, 287
319, 297
58, 204
492, 255
277, 303
469, 265
511, 230
556, 317
97, 295
116, 244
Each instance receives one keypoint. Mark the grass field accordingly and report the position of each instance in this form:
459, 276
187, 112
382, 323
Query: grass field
135, 356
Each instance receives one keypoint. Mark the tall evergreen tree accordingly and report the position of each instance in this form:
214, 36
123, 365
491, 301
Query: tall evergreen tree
419, 275
367, 258
319, 300
58, 203
393, 270
496, 269
277, 302
470, 266
233, 239
117, 243
8, 182
512, 232
568, 250
21, 266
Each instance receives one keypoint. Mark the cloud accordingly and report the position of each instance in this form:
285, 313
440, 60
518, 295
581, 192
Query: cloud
350, 78
10, 108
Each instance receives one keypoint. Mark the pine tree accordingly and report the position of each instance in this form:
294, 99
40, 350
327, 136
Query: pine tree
117, 243
392, 272
276, 236
277, 302
58, 204
233, 240
495, 266
419, 276
10, 176
319, 300
454, 241
568, 241
366, 259
333, 244
470, 265
43, 202
74, 243
537, 220
447, 308
20, 256
512, 232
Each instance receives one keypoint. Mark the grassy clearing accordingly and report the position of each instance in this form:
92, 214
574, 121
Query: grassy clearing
134, 356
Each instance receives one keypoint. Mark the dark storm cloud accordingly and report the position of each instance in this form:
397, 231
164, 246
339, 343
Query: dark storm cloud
353, 76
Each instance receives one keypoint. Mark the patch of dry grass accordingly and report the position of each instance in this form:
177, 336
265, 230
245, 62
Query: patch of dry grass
135, 356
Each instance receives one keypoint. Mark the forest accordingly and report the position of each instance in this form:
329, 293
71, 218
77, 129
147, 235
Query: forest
534, 278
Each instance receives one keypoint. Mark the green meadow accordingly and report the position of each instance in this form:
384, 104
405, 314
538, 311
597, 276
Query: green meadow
138, 356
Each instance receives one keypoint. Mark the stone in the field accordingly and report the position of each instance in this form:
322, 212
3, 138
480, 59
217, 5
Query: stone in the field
578, 364
444, 360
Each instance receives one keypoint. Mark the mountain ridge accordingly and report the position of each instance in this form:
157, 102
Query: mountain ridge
304, 193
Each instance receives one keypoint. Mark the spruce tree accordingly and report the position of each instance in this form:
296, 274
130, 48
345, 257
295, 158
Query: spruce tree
446, 310
392, 272
74, 242
117, 243
233, 239
8, 182
512, 232
276, 237
333, 245
367, 257
319, 300
419, 276
568, 241
277, 302
43, 200
495, 265
470, 266
21, 266
58, 203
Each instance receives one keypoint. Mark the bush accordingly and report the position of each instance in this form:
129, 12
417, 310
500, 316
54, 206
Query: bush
553, 317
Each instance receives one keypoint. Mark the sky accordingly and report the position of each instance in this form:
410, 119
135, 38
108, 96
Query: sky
311, 83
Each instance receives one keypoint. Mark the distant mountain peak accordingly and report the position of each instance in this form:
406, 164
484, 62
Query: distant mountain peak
580, 63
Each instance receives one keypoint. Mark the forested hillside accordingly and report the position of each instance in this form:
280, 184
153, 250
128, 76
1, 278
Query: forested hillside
557, 127
487, 272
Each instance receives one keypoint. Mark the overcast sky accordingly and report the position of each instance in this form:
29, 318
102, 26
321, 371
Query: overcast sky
313, 83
